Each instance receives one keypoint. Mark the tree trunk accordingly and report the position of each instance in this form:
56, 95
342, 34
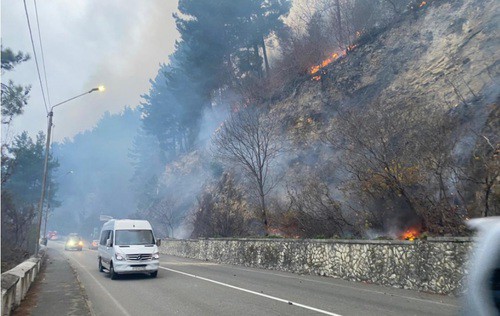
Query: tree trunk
263, 207
487, 192
256, 52
264, 53
339, 25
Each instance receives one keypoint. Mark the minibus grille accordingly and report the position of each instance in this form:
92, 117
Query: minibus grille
140, 257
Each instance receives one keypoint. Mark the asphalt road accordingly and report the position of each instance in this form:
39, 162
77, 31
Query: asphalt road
190, 287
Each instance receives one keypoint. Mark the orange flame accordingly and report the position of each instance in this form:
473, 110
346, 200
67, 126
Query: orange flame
410, 234
324, 63
314, 69
422, 4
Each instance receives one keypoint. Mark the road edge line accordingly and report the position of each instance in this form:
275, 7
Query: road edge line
253, 292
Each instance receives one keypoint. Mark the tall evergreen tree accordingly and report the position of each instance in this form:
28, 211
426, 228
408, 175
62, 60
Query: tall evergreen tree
148, 161
14, 97
226, 38
21, 193
25, 183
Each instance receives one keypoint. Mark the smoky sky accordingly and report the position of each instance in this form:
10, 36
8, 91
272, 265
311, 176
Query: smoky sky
86, 43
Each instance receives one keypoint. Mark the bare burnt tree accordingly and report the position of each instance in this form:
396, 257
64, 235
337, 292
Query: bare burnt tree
167, 213
17, 231
400, 158
320, 28
201, 217
231, 209
301, 50
16, 220
480, 178
318, 213
221, 211
249, 140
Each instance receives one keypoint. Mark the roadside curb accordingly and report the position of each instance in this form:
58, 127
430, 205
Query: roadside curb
59, 292
17, 281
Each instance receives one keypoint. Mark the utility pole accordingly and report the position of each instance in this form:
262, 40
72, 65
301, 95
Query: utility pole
44, 235
46, 163
44, 180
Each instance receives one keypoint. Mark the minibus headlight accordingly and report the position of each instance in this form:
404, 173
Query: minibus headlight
119, 256
156, 256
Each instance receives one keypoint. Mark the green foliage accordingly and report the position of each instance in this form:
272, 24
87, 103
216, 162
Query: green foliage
26, 167
11, 59
22, 171
225, 38
14, 97
148, 162
220, 41
173, 107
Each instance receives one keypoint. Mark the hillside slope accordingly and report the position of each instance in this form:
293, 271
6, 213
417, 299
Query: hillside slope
436, 62
445, 54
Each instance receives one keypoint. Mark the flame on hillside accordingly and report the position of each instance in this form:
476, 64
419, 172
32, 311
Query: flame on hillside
333, 57
324, 63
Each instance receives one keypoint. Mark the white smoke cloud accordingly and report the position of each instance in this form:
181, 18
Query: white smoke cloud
87, 43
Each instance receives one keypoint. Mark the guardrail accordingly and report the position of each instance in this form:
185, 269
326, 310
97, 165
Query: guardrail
16, 283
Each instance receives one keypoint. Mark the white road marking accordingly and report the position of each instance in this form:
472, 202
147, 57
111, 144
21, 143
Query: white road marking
198, 264
120, 307
253, 292
355, 288
340, 285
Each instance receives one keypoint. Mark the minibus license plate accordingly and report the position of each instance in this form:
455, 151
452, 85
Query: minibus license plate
138, 268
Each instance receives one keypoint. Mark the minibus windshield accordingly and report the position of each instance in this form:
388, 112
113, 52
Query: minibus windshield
134, 237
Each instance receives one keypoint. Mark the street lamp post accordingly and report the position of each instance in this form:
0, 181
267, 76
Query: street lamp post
45, 165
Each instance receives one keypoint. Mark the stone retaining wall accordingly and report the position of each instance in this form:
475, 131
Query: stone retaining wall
434, 265
16, 283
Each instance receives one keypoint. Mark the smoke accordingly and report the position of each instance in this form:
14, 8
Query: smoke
186, 177
86, 44
94, 174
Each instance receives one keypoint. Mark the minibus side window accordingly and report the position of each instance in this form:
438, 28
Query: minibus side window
104, 237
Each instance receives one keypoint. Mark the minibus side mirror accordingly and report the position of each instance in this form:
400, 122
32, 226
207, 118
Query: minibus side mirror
158, 242
108, 242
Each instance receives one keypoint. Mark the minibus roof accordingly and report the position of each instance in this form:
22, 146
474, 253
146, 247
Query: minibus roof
127, 224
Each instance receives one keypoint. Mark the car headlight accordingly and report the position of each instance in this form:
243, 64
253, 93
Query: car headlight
119, 257
156, 256
80, 243
71, 243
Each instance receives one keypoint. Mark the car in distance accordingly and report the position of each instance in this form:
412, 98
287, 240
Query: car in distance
94, 244
74, 242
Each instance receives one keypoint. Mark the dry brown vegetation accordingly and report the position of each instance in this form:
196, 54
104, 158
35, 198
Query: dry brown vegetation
396, 134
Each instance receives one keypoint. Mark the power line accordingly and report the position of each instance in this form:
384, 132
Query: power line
41, 49
36, 59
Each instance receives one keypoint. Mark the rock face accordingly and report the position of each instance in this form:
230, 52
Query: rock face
434, 265
444, 54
